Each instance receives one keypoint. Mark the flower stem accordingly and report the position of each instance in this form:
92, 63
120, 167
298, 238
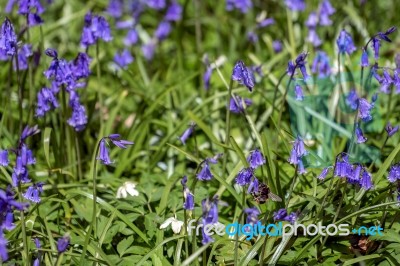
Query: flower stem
93, 224
227, 127
23, 226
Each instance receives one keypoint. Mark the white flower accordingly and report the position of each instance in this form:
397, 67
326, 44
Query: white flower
127, 188
175, 224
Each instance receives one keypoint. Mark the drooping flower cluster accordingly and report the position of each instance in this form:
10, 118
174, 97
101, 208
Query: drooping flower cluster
387, 81
322, 18
205, 172
297, 154
246, 176
242, 5
321, 65
376, 42
295, 5
299, 63
95, 27
282, 215
65, 75
209, 216
24, 157
354, 173
115, 139
32, 9
7, 206
345, 43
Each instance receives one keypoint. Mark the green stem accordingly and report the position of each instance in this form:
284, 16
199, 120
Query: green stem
20, 93
93, 224
227, 127
100, 94
292, 186
23, 226
283, 100
239, 219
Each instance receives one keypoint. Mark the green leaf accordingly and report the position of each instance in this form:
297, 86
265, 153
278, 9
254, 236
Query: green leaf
124, 245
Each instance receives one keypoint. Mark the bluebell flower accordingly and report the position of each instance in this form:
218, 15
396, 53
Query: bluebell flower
104, 157
34, 20
299, 63
255, 159
252, 215
80, 66
8, 38
345, 43
291, 218
117, 141
163, 30
360, 135
210, 210
313, 37
364, 58
323, 173
298, 151
321, 65
326, 10
207, 77
9, 6
3, 247
243, 75
366, 180
354, 177
205, 172
156, 4
215, 158
244, 176
242, 5
386, 82
298, 92
394, 173
187, 133
96, 27
33, 191
265, 22
364, 109
343, 168
24, 52
312, 20
280, 215
301, 169
277, 46
174, 12
27, 6
376, 44
60, 71
187, 195
390, 130
295, 5
125, 24
45, 102
123, 59
4, 158
131, 37
352, 99
63, 243
28, 132
396, 80
239, 105
252, 37
115, 8
78, 119
253, 186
